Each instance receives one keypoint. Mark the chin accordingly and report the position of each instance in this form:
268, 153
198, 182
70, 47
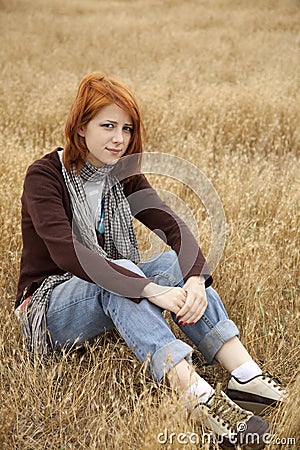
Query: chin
113, 160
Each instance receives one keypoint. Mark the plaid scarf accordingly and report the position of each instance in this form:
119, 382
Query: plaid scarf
119, 237
31, 316
119, 242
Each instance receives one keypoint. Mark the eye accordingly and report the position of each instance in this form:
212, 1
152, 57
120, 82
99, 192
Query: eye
107, 125
128, 129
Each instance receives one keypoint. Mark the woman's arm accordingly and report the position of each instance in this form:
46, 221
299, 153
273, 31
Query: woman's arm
189, 302
149, 209
43, 206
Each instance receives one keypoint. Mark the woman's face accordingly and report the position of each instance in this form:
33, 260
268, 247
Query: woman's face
107, 135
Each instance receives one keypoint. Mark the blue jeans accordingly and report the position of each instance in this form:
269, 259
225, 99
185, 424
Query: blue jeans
79, 311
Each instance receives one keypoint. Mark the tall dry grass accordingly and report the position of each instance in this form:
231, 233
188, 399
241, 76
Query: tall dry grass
218, 83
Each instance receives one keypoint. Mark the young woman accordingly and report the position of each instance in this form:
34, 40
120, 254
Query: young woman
80, 271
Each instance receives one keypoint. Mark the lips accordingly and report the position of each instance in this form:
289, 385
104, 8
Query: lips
114, 151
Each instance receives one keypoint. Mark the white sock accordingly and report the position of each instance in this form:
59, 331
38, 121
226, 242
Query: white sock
199, 392
247, 371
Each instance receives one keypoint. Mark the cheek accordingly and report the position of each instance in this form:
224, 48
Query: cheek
94, 138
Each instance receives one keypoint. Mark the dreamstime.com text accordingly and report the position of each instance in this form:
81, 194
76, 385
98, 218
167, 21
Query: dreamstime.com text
190, 438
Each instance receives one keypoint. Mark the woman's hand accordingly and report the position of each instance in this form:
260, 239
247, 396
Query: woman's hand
195, 302
166, 297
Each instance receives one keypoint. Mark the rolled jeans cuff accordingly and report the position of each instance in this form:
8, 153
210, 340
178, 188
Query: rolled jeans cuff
168, 356
222, 332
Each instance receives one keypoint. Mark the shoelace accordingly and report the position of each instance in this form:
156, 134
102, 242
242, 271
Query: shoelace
276, 382
228, 412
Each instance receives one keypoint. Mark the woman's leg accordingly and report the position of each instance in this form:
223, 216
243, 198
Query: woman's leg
79, 311
216, 337
74, 314
146, 332
214, 329
232, 355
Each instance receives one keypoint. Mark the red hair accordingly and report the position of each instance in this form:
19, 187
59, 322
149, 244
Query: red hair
94, 92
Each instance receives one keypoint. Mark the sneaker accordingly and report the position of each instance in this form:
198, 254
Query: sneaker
231, 425
258, 393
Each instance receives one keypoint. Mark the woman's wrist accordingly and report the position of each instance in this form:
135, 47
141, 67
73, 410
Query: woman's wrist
201, 279
151, 290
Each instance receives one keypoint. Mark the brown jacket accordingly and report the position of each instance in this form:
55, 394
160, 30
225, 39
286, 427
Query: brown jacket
50, 247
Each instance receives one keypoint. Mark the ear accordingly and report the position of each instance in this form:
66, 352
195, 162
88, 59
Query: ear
81, 132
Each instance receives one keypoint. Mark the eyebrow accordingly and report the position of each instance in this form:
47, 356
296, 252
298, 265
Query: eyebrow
115, 122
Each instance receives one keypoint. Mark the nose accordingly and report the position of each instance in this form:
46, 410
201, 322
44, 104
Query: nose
118, 137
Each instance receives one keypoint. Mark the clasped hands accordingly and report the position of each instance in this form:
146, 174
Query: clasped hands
188, 302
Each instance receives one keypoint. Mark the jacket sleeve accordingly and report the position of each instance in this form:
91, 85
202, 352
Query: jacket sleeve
43, 199
148, 208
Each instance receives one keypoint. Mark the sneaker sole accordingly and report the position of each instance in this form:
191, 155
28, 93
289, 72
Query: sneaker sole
248, 445
256, 408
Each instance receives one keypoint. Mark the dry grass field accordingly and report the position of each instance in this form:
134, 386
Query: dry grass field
219, 85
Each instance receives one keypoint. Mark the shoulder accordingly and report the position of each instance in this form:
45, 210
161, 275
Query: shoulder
49, 162
46, 168
44, 172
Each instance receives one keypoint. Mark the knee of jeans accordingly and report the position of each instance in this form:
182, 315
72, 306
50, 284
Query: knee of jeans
127, 264
167, 270
170, 256
215, 304
112, 303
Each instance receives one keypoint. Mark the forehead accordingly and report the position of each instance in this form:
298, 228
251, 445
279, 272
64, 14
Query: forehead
113, 112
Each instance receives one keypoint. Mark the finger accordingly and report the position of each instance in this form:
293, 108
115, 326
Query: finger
185, 307
191, 317
189, 308
178, 307
195, 313
202, 310
198, 317
202, 304
180, 299
177, 300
